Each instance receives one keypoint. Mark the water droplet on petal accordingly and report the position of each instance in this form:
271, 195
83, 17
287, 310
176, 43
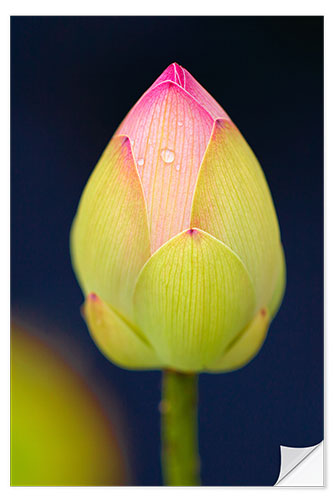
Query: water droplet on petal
132, 142
141, 162
180, 124
167, 155
177, 167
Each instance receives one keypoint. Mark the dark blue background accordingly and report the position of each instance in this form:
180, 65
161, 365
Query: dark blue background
72, 81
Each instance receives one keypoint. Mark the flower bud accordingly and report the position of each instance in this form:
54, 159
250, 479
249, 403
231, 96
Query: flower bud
176, 242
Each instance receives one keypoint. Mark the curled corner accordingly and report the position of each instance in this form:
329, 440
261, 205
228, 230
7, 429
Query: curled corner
301, 466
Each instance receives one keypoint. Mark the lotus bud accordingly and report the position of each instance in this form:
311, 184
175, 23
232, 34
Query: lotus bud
176, 243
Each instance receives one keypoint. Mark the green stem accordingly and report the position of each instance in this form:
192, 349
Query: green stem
179, 429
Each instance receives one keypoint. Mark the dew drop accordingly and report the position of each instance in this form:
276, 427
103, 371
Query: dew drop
180, 124
167, 155
132, 142
177, 168
141, 162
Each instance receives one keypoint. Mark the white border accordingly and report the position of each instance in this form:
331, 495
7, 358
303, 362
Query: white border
171, 7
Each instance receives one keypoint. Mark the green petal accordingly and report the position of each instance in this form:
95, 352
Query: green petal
110, 238
117, 340
192, 298
280, 286
245, 346
233, 203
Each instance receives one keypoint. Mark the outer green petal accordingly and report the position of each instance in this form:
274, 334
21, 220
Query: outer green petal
280, 286
110, 238
245, 346
116, 338
232, 202
192, 298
